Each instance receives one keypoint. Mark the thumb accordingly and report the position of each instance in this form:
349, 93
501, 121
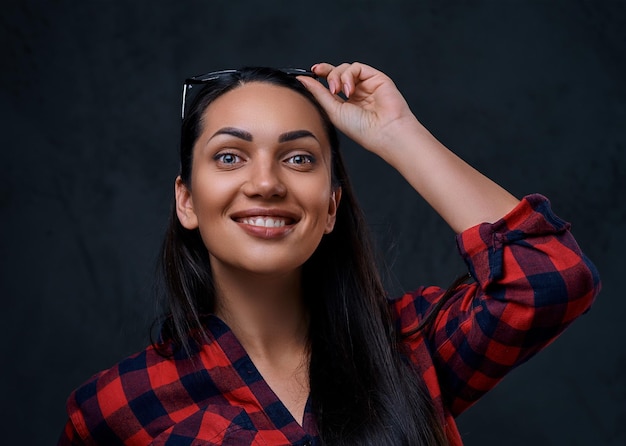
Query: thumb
327, 100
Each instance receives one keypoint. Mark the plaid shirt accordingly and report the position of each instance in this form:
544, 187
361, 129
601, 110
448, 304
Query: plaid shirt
532, 281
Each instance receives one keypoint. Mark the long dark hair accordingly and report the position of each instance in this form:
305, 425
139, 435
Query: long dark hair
362, 390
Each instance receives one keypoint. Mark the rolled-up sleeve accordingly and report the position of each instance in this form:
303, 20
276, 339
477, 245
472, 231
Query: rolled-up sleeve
531, 282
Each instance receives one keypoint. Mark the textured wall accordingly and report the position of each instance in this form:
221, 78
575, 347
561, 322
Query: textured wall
532, 93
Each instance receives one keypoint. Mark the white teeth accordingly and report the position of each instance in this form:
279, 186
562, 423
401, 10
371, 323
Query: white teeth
265, 222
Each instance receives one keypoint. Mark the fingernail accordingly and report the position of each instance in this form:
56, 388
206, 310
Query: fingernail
331, 87
346, 90
314, 67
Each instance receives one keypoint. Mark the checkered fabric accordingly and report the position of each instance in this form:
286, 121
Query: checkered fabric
532, 281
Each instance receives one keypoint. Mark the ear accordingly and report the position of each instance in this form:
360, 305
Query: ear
333, 205
184, 205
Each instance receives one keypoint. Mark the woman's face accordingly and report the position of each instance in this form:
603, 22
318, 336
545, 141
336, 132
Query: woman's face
261, 191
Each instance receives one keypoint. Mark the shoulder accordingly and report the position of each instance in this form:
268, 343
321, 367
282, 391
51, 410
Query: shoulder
113, 394
138, 396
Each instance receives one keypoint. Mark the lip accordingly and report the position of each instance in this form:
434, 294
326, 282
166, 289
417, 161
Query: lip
264, 232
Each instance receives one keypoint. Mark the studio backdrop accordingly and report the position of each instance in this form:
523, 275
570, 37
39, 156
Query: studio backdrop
531, 93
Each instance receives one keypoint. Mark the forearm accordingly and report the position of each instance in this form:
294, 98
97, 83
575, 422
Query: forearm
459, 193
377, 117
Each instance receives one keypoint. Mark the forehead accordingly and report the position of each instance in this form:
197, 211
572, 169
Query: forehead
263, 106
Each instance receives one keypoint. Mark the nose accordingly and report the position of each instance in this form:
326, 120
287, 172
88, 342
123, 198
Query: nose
264, 180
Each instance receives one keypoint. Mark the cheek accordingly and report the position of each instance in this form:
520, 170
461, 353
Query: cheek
318, 195
319, 204
212, 194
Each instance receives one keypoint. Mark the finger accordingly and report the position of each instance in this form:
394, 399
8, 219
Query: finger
334, 78
356, 74
332, 75
324, 96
322, 69
344, 77
350, 77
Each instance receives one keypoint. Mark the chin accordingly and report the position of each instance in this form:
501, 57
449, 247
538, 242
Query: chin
273, 270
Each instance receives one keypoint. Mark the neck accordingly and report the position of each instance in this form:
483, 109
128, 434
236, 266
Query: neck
265, 312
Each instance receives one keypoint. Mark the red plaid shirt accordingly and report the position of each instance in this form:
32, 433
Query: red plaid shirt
532, 281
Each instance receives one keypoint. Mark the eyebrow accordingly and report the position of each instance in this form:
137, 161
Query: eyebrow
247, 136
232, 131
296, 134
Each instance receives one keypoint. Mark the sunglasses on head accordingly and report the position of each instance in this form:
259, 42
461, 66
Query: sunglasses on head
213, 75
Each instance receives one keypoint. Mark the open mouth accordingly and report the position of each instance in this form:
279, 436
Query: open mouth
266, 222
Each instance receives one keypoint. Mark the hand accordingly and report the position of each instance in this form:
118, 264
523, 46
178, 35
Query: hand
376, 116
374, 110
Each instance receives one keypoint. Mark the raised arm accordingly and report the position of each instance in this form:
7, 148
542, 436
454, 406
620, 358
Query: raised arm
376, 116
532, 280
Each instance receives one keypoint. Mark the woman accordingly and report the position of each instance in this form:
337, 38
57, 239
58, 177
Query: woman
278, 330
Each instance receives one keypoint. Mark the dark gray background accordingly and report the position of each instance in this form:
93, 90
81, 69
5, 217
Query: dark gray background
532, 93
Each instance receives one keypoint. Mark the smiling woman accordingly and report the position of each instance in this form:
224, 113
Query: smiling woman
278, 330
262, 157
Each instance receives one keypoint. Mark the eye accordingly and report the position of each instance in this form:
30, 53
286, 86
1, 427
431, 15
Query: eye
300, 159
227, 159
